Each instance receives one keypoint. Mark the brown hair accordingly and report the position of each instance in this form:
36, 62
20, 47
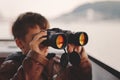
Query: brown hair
26, 21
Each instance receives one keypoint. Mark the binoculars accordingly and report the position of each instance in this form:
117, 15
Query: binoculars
58, 38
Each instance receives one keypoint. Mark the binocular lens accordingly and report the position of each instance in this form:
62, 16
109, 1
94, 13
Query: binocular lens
82, 39
59, 41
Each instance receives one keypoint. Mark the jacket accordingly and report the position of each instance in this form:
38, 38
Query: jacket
36, 67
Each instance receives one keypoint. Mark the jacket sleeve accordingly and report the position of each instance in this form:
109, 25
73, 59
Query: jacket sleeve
31, 67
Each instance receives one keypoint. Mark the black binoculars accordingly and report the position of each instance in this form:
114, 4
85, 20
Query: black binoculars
58, 38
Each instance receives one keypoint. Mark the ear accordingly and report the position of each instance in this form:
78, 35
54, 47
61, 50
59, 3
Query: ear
19, 43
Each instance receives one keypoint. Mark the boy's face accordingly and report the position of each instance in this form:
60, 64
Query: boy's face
29, 36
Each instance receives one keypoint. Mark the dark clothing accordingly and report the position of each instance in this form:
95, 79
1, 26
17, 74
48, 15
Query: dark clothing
37, 67
9, 67
16, 57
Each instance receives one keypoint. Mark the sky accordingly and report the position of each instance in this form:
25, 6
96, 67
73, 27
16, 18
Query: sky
48, 8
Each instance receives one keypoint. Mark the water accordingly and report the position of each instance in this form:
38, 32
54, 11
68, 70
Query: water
103, 44
5, 30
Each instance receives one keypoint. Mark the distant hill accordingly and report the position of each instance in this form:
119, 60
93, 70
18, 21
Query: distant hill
105, 10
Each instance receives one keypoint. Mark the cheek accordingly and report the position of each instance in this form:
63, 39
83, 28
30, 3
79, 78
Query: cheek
27, 41
26, 48
26, 45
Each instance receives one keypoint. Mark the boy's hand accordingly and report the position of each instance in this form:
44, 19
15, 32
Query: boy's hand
36, 45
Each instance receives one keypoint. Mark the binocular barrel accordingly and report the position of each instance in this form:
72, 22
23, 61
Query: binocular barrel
59, 39
56, 40
78, 38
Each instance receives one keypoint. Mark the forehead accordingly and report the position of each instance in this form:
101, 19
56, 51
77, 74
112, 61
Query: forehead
35, 28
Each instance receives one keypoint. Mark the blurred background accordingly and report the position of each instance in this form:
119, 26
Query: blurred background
99, 18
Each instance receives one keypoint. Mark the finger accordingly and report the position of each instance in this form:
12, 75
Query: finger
42, 39
37, 42
77, 49
70, 48
40, 35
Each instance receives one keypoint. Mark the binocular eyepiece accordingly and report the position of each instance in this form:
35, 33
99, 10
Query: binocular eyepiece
58, 38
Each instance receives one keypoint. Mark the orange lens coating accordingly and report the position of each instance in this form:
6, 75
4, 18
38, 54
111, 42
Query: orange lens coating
82, 39
59, 41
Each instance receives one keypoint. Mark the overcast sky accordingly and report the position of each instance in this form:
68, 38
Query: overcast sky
48, 8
